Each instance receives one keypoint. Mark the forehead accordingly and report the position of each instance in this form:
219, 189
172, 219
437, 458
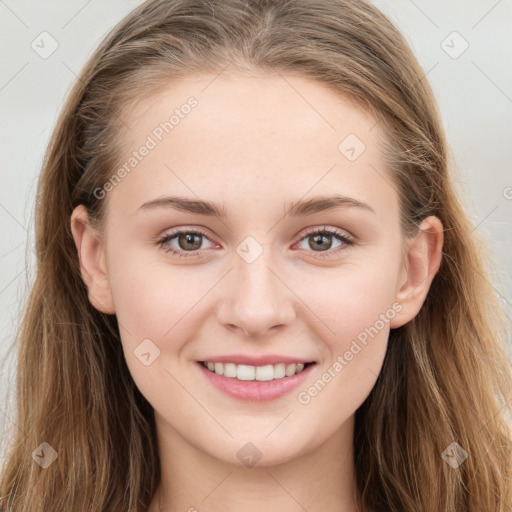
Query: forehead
261, 138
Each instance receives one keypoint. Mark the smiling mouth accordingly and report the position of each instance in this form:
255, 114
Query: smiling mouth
245, 372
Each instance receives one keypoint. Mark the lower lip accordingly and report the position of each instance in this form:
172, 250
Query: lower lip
254, 390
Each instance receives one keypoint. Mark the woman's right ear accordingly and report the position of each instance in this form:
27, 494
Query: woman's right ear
91, 255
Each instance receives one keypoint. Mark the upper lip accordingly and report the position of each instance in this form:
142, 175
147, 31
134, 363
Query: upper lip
261, 360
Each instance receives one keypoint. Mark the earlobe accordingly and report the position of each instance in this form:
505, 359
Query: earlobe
91, 256
422, 261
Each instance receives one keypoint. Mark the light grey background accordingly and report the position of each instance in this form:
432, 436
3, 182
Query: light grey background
474, 92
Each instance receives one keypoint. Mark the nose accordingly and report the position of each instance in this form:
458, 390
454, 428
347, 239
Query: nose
258, 300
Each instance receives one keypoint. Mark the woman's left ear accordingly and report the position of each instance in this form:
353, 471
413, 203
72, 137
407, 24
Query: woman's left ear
421, 263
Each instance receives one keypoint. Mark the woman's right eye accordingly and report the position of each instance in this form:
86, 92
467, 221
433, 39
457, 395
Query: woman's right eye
188, 242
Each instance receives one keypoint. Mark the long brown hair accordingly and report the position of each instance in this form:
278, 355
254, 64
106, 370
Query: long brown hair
446, 376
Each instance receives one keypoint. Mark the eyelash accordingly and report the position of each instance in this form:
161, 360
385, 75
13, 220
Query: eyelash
347, 241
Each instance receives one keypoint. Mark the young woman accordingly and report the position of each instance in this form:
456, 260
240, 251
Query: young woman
256, 285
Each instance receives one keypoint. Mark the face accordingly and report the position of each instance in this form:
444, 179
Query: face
273, 272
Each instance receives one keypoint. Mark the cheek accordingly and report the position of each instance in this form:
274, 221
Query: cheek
151, 298
358, 310
353, 299
162, 304
156, 313
353, 311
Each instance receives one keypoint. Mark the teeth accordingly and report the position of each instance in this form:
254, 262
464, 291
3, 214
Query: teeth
279, 371
230, 370
243, 372
261, 373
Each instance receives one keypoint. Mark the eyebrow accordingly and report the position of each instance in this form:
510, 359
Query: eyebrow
299, 208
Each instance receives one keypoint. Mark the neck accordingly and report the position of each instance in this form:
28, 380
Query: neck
316, 480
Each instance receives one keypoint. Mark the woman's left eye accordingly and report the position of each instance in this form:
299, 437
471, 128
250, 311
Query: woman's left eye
323, 239
189, 242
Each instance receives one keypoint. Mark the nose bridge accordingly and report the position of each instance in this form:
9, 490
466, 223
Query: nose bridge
259, 300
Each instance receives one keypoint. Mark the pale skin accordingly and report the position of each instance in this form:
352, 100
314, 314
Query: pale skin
253, 144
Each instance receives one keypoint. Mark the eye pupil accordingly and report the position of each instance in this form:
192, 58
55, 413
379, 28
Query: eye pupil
188, 238
319, 239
